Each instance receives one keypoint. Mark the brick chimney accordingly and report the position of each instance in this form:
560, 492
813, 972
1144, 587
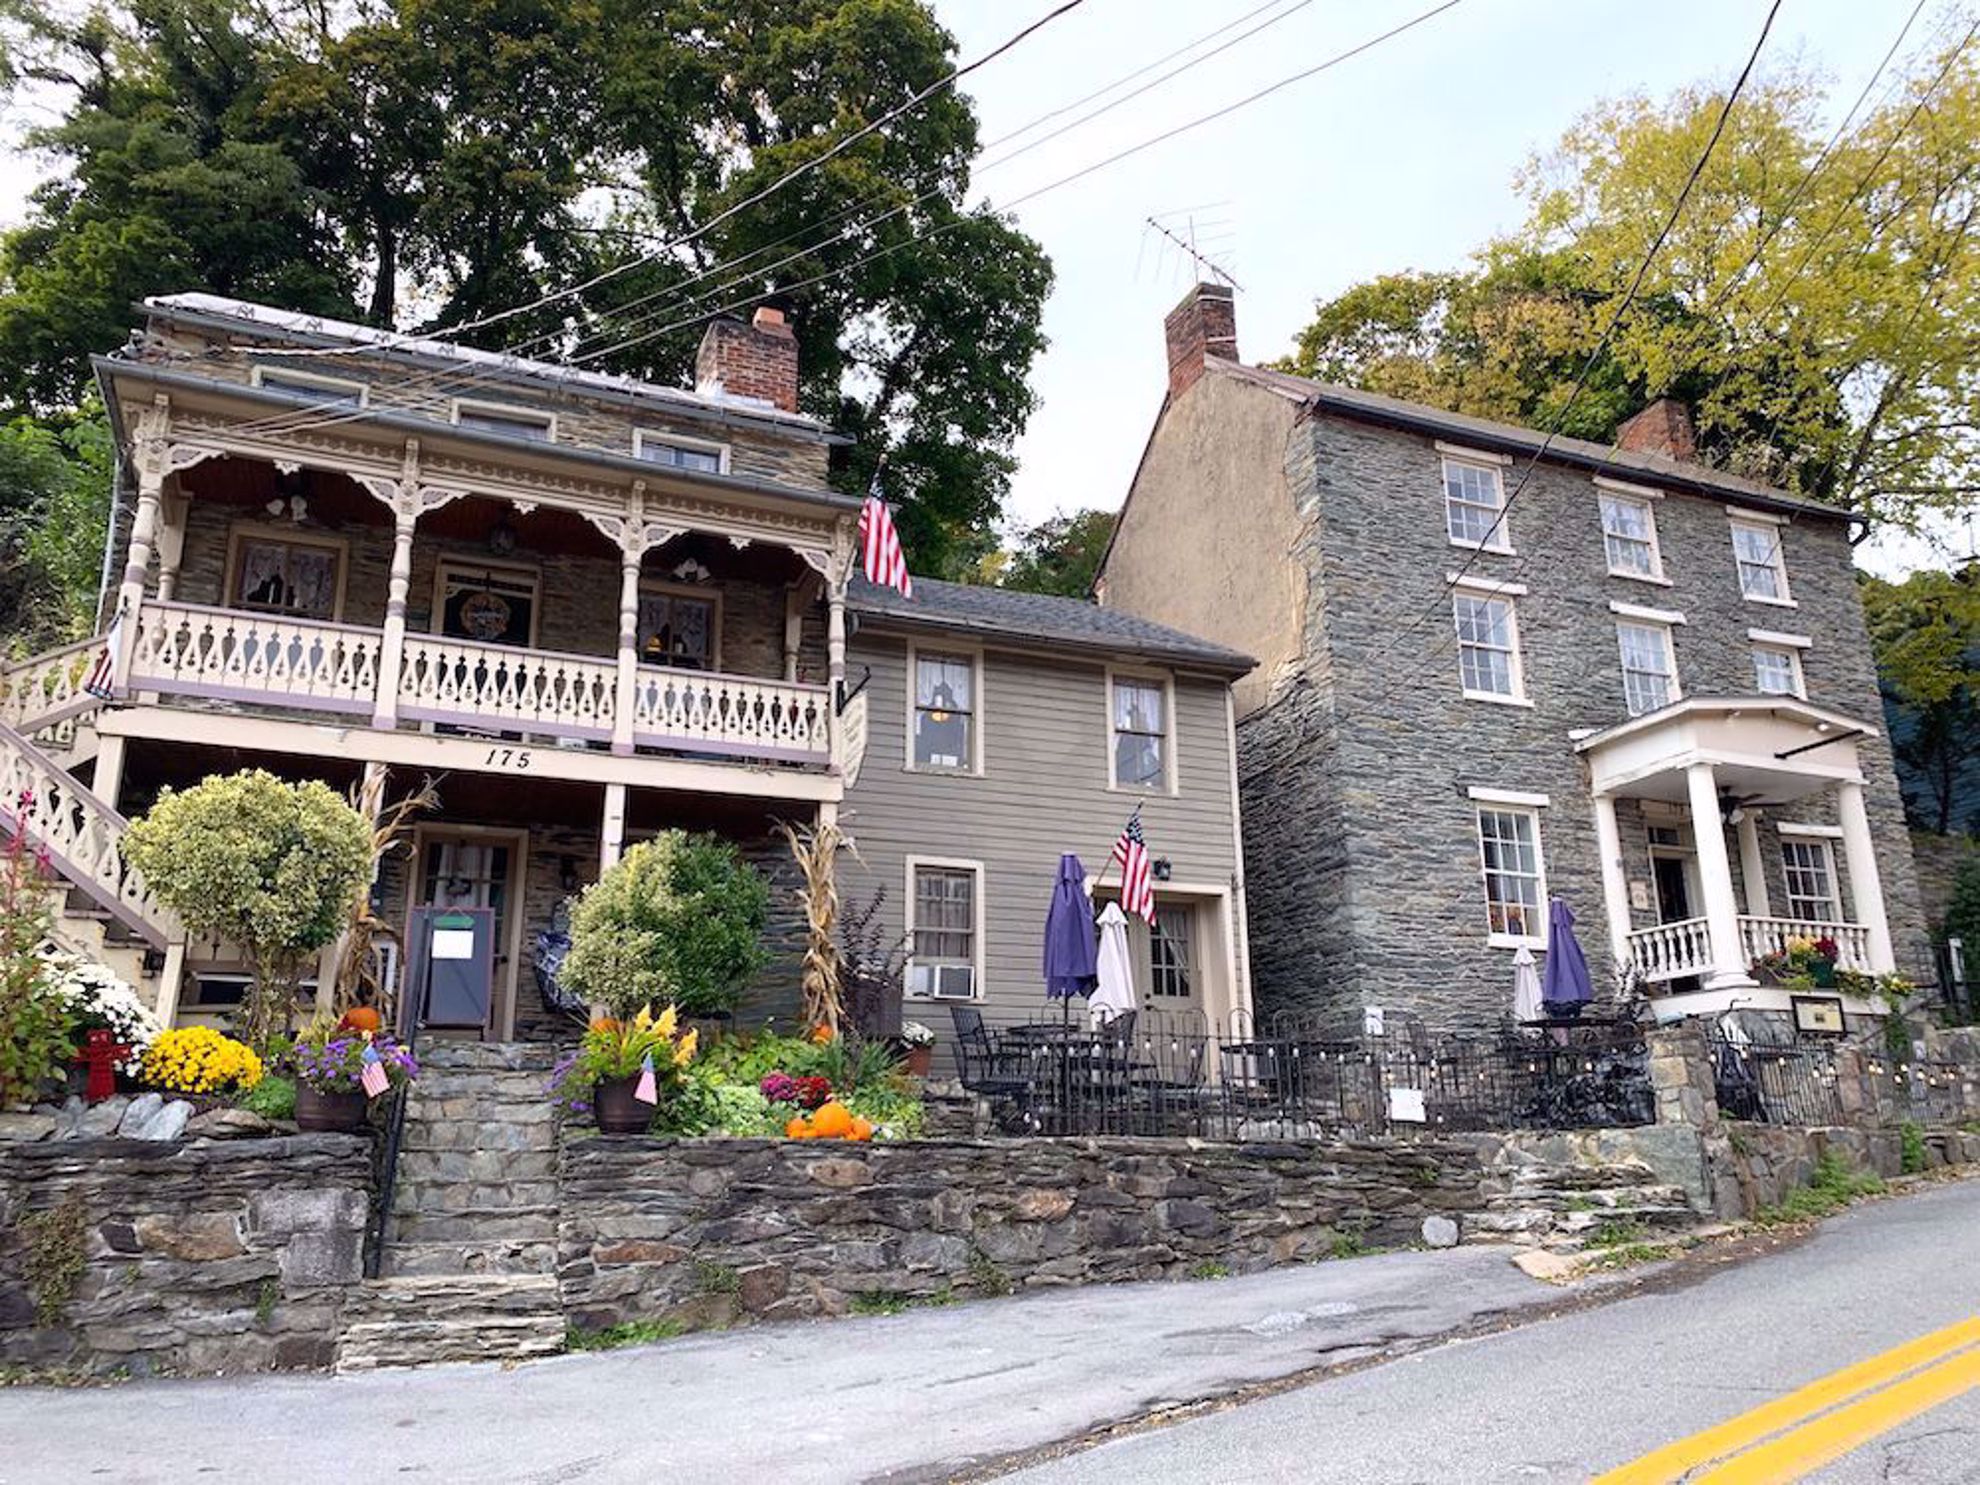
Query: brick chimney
1202, 326
1664, 427
757, 362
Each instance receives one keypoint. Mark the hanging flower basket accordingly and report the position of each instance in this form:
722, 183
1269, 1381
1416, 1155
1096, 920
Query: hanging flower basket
329, 1113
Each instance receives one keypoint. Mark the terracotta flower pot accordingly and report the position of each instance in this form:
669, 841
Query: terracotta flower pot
920, 1060
617, 1111
327, 1113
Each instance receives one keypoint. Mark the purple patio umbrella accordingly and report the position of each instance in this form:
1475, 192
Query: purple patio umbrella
1564, 986
1072, 956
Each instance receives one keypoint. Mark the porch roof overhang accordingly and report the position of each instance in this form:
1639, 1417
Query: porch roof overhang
372, 440
1779, 746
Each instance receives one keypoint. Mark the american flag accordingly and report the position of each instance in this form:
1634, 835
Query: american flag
647, 1090
1137, 870
101, 682
373, 1078
880, 545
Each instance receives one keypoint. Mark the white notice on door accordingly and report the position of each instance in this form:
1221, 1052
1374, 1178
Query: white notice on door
453, 943
1406, 1106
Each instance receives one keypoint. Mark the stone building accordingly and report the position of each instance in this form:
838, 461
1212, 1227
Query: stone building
592, 608
1495, 668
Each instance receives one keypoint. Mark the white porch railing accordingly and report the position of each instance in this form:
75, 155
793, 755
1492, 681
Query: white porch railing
693, 710
1758, 936
47, 689
187, 650
1671, 951
463, 681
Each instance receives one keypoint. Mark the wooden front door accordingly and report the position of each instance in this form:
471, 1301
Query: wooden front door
477, 871
496, 605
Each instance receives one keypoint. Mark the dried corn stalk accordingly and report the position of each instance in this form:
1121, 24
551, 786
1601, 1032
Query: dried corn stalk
815, 847
357, 965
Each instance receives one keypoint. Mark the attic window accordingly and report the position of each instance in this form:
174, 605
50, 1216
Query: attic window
516, 422
680, 453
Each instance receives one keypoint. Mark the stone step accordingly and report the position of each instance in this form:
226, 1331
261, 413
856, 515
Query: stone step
498, 1256
440, 1198
414, 1321
451, 1052
475, 1224
428, 1167
460, 1136
1596, 1199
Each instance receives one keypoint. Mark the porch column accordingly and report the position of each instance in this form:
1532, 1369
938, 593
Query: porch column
107, 779
1866, 883
1751, 868
392, 646
612, 827
137, 559
171, 545
1615, 880
628, 678
170, 978
835, 638
1716, 880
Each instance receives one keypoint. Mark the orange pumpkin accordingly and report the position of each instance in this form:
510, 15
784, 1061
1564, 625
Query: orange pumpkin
822, 1035
862, 1129
832, 1121
361, 1018
796, 1129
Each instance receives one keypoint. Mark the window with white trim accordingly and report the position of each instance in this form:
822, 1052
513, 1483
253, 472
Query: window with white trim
1629, 536
516, 422
1649, 666
1488, 645
943, 942
1810, 869
1170, 950
1474, 496
1777, 670
944, 712
276, 576
1515, 885
1762, 569
1140, 725
680, 453
330, 391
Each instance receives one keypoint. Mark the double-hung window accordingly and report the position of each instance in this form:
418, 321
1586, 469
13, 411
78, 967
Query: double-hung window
1777, 670
945, 933
1474, 504
1810, 870
1629, 536
1140, 726
1762, 569
1515, 884
1649, 665
680, 453
516, 422
944, 721
1488, 644
274, 575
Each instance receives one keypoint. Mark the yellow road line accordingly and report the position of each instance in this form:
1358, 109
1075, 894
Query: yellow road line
1833, 1435
1673, 1460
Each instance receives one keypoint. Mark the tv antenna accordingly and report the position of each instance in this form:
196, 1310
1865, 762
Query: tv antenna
1192, 247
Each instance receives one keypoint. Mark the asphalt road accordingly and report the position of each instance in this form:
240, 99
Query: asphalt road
1571, 1397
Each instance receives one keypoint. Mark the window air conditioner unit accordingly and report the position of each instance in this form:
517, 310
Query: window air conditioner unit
942, 981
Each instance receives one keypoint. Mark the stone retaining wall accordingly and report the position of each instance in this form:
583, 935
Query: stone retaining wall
1766, 1162
194, 1257
707, 1232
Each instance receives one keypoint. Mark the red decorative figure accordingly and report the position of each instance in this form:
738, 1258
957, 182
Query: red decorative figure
101, 1055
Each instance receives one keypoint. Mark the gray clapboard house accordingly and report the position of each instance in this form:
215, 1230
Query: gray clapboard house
1642, 684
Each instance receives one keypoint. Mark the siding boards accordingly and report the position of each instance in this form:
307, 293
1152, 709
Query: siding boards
1043, 791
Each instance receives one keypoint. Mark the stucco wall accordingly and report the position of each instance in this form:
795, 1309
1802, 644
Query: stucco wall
1205, 529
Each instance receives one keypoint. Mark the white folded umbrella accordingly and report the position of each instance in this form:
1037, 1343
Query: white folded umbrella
1114, 995
1526, 987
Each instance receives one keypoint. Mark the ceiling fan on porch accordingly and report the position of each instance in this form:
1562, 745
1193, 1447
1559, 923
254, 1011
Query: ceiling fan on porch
1734, 807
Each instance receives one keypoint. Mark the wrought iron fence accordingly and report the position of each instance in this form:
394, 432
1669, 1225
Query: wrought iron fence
1170, 1073
1770, 1083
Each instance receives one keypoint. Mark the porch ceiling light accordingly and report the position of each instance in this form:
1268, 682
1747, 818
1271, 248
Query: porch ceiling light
502, 540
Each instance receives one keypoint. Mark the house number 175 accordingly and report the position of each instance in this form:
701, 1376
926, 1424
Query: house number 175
507, 758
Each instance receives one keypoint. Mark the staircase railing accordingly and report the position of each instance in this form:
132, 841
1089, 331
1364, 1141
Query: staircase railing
82, 836
407, 1026
48, 688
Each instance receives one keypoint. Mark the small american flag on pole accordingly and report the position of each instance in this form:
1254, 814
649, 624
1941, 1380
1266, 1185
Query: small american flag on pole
101, 682
373, 1078
1137, 869
647, 1090
880, 544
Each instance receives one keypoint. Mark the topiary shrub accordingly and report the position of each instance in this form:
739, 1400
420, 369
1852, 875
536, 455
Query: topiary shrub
268, 865
678, 921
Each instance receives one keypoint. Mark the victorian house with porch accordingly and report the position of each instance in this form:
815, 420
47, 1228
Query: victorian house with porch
1496, 668
590, 608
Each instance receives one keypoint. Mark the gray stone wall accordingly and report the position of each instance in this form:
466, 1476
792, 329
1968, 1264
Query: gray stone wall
196, 1257
712, 1232
1939, 859
1358, 795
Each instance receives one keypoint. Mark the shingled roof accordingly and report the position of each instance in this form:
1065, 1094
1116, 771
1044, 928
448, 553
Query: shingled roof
1040, 620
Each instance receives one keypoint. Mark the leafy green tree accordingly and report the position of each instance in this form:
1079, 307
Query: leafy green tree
54, 484
271, 866
431, 161
1821, 331
1963, 923
678, 921
1925, 633
1061, 554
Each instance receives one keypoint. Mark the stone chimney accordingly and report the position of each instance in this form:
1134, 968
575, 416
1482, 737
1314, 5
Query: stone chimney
757, 362
1202, 326
1664, 427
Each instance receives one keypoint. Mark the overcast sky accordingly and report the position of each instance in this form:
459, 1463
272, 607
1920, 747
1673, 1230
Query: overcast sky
1401, 158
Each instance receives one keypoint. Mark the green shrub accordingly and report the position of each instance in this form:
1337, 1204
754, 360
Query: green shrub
678, 921
36, 1027
1912, 1147
1832, 1185
626, 1333
271, 866
274, 1097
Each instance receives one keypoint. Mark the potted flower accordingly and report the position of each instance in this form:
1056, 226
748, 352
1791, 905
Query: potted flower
613, 1063
919, 1042
340, 1067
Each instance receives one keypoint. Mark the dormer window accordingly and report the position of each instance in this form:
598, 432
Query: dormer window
675, 452
514, 422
